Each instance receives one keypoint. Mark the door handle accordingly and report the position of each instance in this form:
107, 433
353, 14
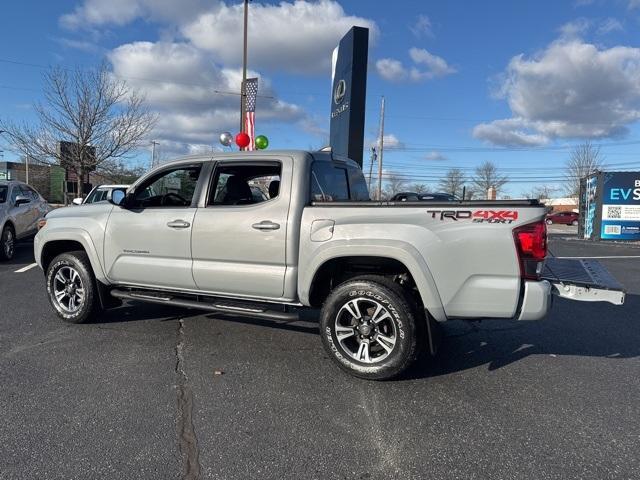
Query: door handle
266, 225
178, 224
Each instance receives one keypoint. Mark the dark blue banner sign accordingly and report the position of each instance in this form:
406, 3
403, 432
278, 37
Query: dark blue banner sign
348, 94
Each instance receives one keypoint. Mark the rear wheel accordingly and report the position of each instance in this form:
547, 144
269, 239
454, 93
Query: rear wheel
71, 287
370, 328
7, 243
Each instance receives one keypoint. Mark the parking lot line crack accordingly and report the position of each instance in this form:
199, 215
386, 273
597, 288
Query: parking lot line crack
187, 441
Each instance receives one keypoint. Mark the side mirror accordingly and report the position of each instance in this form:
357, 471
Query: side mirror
77, 201
21, 200
117, 196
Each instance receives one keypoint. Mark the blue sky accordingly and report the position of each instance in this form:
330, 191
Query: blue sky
516, 83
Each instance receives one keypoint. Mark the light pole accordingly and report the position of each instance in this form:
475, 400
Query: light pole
243, 91
153, 153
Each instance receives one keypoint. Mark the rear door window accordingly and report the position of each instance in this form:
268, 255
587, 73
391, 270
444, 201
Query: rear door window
245, 184
329, 183
357, 185
333, 182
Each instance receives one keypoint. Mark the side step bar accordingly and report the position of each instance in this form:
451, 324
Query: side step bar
210, 304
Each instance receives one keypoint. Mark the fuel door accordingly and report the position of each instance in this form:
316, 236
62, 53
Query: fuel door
322, 230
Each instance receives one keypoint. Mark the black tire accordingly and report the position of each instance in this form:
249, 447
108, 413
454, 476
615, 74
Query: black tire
402, 322
574, 223
63, 266
7, 243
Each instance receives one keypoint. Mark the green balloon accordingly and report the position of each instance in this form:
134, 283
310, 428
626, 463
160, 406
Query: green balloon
262, 142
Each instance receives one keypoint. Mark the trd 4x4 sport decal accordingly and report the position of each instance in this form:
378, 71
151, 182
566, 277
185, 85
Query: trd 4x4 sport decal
477, 216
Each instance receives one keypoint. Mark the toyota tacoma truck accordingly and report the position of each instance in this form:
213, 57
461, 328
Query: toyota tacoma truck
385, 275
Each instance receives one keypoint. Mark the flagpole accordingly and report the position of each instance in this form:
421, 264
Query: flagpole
243, 91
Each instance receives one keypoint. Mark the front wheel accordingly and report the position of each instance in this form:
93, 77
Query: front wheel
71, 287
574, 223
7, 243
370, 328
549, 222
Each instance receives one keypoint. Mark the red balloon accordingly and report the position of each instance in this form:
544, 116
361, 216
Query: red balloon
242, 140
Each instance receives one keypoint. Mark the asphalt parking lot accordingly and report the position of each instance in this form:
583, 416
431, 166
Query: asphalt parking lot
150, 392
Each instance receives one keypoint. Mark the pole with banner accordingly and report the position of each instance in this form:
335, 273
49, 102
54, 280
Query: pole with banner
251, 93
244, 66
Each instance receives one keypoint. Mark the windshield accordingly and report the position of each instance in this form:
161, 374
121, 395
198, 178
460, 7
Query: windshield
3, 193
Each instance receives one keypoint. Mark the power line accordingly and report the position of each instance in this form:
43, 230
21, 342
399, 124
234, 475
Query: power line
153, 80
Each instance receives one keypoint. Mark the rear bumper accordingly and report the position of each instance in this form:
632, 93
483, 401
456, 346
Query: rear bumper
536, 301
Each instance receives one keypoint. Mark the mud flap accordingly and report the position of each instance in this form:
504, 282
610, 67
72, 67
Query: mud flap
581, 279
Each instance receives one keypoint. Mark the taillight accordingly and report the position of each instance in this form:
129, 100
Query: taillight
531, 244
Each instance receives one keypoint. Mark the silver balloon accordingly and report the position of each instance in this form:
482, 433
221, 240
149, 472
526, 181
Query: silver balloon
226, 139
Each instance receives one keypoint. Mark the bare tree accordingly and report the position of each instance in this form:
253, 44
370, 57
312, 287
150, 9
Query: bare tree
452, 182
584, 160
98, 115
419, 188
487, 175
542, 192
392, 185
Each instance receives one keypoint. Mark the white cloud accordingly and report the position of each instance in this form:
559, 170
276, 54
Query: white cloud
295, 37
391, 69
100, 13
575, 28
435, 156
179, 82
572, 89
609, 25
390, 141
509, 132
436, 66
422, 27
426, 66
82, 45
633, 4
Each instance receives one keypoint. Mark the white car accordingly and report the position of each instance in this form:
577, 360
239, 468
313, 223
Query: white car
101, 193
21, 208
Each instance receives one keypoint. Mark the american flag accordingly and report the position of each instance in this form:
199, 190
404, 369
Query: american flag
251, 92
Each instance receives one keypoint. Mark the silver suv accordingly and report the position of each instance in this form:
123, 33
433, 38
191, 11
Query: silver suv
21, 207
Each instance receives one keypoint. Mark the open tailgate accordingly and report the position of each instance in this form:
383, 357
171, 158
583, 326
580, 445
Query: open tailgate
582, 279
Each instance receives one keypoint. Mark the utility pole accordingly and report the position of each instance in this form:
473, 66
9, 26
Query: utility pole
243, 91
153, 153
380, 150
374, 157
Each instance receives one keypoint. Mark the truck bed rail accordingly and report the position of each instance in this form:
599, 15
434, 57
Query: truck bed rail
429, 204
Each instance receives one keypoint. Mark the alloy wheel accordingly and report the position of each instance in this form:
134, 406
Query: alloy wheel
366, 330
68, 290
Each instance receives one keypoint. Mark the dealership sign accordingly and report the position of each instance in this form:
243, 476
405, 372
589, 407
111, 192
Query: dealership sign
348, 94
620, 206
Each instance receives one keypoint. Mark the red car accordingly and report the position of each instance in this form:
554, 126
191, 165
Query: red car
565, 218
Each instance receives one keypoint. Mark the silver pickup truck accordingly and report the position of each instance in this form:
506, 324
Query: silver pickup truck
265, 234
